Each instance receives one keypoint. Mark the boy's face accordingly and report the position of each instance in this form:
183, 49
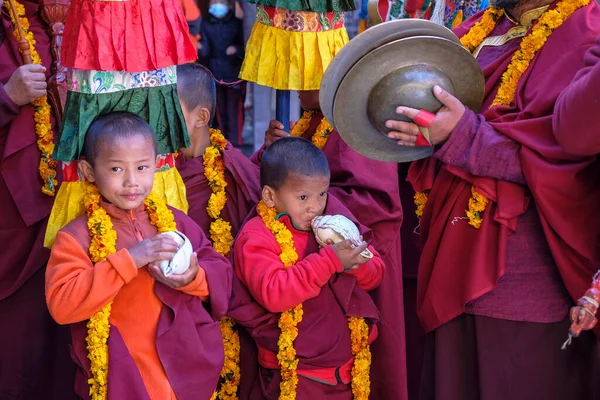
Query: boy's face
301, 197
123, 170
309, 100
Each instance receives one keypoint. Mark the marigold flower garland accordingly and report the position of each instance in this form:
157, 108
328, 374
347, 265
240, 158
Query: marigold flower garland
214, 170
530, 45
322, 133
103, 240
477, 205
220, 235
289, 320
359, 337
420, 200
43, 124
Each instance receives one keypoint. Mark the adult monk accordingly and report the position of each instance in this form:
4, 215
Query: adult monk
34, 353
369, 189
510, 225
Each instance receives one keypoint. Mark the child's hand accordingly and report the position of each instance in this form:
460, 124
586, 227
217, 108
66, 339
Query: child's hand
274, 132
231, 50
350, 257
157, 248
176, 280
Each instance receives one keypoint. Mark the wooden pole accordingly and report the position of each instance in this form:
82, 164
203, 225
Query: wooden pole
23, 43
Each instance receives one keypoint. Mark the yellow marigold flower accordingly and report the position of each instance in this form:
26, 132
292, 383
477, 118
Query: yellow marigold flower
43, 125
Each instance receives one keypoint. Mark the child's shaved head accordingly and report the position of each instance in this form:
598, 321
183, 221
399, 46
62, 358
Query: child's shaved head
291, 155
196, 87
109, 127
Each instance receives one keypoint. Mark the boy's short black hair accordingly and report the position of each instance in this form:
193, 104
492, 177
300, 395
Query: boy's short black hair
196, 87
108, 127
291, 155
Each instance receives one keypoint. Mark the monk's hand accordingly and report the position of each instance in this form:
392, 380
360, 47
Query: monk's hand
275, 132
441, 127
350, 256
26, 84
176, 280
157, 248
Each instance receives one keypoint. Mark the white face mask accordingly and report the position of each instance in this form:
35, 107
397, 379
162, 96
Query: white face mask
218, 10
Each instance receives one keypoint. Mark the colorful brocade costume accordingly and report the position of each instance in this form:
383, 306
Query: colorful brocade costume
306, 35
122, 56
449, 13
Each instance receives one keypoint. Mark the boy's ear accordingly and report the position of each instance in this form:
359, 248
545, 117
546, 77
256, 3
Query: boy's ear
87, 170
268, 196
202, 117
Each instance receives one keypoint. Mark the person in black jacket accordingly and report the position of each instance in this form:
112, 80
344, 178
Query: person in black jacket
221, 48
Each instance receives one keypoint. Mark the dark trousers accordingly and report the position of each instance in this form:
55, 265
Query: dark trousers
230, 112
481, 358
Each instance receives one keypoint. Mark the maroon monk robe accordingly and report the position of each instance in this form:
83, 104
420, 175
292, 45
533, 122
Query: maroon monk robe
319, 344
34, 362
243, 193
243, 189
576, 116
411, 252
510, 147
188, 338
370, 191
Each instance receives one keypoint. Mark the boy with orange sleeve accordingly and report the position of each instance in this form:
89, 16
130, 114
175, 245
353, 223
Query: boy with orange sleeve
148, 334
318, 318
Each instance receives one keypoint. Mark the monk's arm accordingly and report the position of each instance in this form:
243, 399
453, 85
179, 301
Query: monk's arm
75, 287
576, 119
8, 109
275, 287
369, 275
257, 156
476, 147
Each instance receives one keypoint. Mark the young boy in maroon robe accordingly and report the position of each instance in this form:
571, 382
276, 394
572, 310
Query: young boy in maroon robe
163, 343
496, 285
330, 282
196, 90
370, 190
34, 360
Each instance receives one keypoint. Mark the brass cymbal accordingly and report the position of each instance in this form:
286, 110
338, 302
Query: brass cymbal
366, 42
402, 73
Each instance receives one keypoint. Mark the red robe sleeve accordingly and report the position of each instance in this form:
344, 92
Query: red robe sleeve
576, 118
476, 147
369, 275
276, 288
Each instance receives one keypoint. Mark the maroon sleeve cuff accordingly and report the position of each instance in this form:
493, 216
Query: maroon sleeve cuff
459, 142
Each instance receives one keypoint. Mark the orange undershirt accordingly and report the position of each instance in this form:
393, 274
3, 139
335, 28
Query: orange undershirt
76, 289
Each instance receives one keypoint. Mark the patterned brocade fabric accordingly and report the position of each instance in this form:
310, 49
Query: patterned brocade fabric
309, 5
299, 21
83, 81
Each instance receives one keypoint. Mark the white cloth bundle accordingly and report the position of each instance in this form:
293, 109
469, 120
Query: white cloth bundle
181, 262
